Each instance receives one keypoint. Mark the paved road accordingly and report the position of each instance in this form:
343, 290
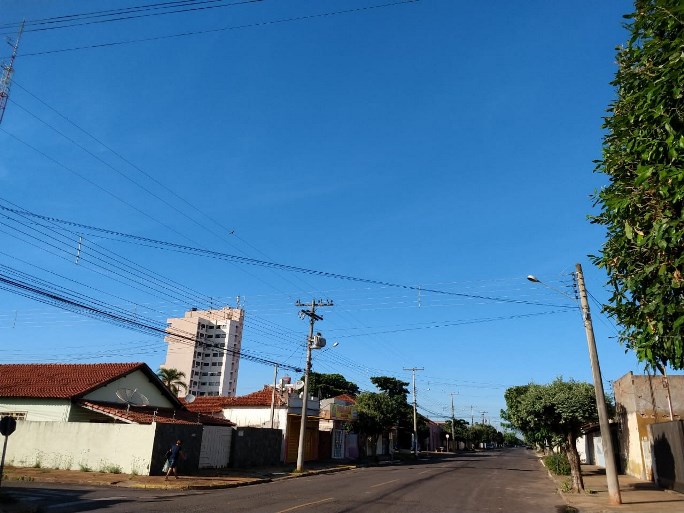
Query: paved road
510, 481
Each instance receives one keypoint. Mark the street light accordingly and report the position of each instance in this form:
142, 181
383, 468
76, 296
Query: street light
611, 470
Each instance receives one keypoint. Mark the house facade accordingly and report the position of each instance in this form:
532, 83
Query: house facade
103, 416
269, 408
642, 401
335, 416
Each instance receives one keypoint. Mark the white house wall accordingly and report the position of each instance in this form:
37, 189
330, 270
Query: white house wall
137, 380
52, 410
82, 446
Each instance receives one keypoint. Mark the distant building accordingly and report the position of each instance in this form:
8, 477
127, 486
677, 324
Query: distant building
205, 346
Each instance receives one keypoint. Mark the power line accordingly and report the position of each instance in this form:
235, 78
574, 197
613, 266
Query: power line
273, 265
223, 29
129, 13
79, 304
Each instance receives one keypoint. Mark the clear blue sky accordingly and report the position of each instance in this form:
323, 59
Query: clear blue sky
437, 144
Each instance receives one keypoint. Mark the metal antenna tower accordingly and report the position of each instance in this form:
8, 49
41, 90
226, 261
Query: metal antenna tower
7, 70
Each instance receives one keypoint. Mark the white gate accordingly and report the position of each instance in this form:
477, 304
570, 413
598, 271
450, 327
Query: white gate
215, 450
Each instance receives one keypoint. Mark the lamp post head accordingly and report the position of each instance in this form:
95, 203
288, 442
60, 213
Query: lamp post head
533, 278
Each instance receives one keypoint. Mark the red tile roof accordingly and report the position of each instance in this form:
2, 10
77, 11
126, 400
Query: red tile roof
216, 404
59, 380
147, 415
346, 398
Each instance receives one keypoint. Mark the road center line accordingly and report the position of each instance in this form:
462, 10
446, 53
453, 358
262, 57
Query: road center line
305, 505
386, 482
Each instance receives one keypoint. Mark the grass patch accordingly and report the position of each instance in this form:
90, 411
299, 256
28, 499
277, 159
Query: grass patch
111, 469
84, 468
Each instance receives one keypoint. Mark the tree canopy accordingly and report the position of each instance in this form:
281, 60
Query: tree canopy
642, 207
331, 385
553, 413
173, 379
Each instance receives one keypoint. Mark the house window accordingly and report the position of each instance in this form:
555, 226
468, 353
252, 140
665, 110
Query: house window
204, 384
214, 364
205, 364
214, 355
210, 336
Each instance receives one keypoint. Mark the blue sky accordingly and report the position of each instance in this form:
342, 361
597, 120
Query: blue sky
433, 144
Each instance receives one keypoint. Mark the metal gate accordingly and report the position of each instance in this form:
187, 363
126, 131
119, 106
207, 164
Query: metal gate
215, 450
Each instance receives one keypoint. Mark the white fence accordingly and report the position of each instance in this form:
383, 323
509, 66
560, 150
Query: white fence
83, 446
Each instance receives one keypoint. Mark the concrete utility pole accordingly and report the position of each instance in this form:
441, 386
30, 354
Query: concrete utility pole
453, 429
275, 382
415, 411
606, 438
313, 317
7, 70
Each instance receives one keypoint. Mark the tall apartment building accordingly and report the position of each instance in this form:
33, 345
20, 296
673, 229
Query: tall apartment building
205, 346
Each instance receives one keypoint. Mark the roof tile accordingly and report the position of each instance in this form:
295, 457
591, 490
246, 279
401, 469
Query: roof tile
59, 380
215, 404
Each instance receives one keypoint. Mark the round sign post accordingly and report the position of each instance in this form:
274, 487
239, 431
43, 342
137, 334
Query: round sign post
7, 427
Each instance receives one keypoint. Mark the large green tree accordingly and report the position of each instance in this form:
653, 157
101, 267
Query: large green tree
331, 385
642, 207
378, 412
558, 411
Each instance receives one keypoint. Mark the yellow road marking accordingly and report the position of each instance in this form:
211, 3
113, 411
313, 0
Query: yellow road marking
305, 505
386, 482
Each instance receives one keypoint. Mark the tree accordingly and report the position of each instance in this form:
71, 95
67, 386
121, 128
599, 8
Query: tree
391, 386
173, 379
641, 207
460, 430
558, 410
331, 385
378, 412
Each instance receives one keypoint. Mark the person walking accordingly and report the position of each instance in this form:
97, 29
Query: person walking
173, 456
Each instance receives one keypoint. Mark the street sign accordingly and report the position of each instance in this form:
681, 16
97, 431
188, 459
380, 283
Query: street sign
7, 426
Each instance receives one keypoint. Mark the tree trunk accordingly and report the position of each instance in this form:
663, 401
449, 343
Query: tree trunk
575, 468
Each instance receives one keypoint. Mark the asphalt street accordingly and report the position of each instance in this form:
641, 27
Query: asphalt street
511, 480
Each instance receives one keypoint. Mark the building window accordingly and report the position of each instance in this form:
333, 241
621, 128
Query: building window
205, 364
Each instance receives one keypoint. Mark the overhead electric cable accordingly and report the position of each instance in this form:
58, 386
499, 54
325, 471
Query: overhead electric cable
285, 267
223, 29
74, 20
76, 304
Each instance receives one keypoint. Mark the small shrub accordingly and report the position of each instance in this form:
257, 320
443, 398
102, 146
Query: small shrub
111, 469
558, 464
84, 468
566, 486
37, 464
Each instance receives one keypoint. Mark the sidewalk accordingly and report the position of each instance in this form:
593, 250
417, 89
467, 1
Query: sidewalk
637, 496
213, 478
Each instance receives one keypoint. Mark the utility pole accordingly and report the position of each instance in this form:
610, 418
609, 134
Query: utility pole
313, 317
611, 470
453, 429
275, 380
415, 411
7, 70
483, 416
